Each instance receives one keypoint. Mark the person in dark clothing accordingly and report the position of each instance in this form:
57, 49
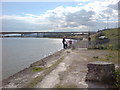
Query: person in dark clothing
64, 43
89, 40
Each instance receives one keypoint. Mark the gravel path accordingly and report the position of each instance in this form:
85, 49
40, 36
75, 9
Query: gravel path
71, 72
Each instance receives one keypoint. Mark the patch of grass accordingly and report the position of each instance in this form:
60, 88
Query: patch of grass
34, 81
93, 37
117, 75
67, 86
112, 35
100, 47
110, 46
39, 78
111, 56
37, 69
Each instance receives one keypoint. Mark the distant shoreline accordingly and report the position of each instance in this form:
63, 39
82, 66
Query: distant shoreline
46, 37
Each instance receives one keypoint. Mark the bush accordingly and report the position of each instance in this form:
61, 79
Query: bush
99, 47
110, 46
117, 75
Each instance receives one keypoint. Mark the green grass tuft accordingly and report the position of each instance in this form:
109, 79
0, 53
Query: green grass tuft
39, 78
37, 69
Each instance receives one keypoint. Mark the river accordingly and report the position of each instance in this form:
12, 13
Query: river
19, 53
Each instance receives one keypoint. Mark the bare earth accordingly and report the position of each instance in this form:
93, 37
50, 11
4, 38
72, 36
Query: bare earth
70, 72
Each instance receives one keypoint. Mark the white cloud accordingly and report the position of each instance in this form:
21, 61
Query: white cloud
82, 17
24, 23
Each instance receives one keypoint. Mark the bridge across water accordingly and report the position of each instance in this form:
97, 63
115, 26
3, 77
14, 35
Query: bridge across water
44, 34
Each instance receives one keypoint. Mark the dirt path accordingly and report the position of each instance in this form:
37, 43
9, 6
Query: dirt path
71, 72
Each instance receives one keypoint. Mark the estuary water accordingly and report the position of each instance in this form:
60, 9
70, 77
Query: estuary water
19, 53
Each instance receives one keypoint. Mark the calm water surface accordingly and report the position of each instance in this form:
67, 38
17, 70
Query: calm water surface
19, 53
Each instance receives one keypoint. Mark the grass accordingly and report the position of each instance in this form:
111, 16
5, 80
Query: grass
67, 86
112, 35
111, 56
37, 69
117, 74
39, 78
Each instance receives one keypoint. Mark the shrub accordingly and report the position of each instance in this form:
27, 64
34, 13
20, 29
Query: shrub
117, 75
110, 46
100, 47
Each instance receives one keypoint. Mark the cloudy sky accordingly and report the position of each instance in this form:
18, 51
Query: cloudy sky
80, 15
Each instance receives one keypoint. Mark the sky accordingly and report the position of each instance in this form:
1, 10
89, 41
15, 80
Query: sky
80, 15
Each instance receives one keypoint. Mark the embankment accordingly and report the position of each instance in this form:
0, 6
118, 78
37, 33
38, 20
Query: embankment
25, 76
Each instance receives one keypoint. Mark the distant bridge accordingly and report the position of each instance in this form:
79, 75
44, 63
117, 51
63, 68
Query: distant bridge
38, 34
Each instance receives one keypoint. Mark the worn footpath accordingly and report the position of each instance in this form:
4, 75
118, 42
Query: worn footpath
64, 69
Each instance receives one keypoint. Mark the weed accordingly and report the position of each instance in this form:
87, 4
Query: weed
37, 69
46, 72
109, 56
117, 75
67, 86
110, 46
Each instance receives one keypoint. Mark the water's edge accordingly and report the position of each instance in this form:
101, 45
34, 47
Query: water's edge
23, 70
20, 53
